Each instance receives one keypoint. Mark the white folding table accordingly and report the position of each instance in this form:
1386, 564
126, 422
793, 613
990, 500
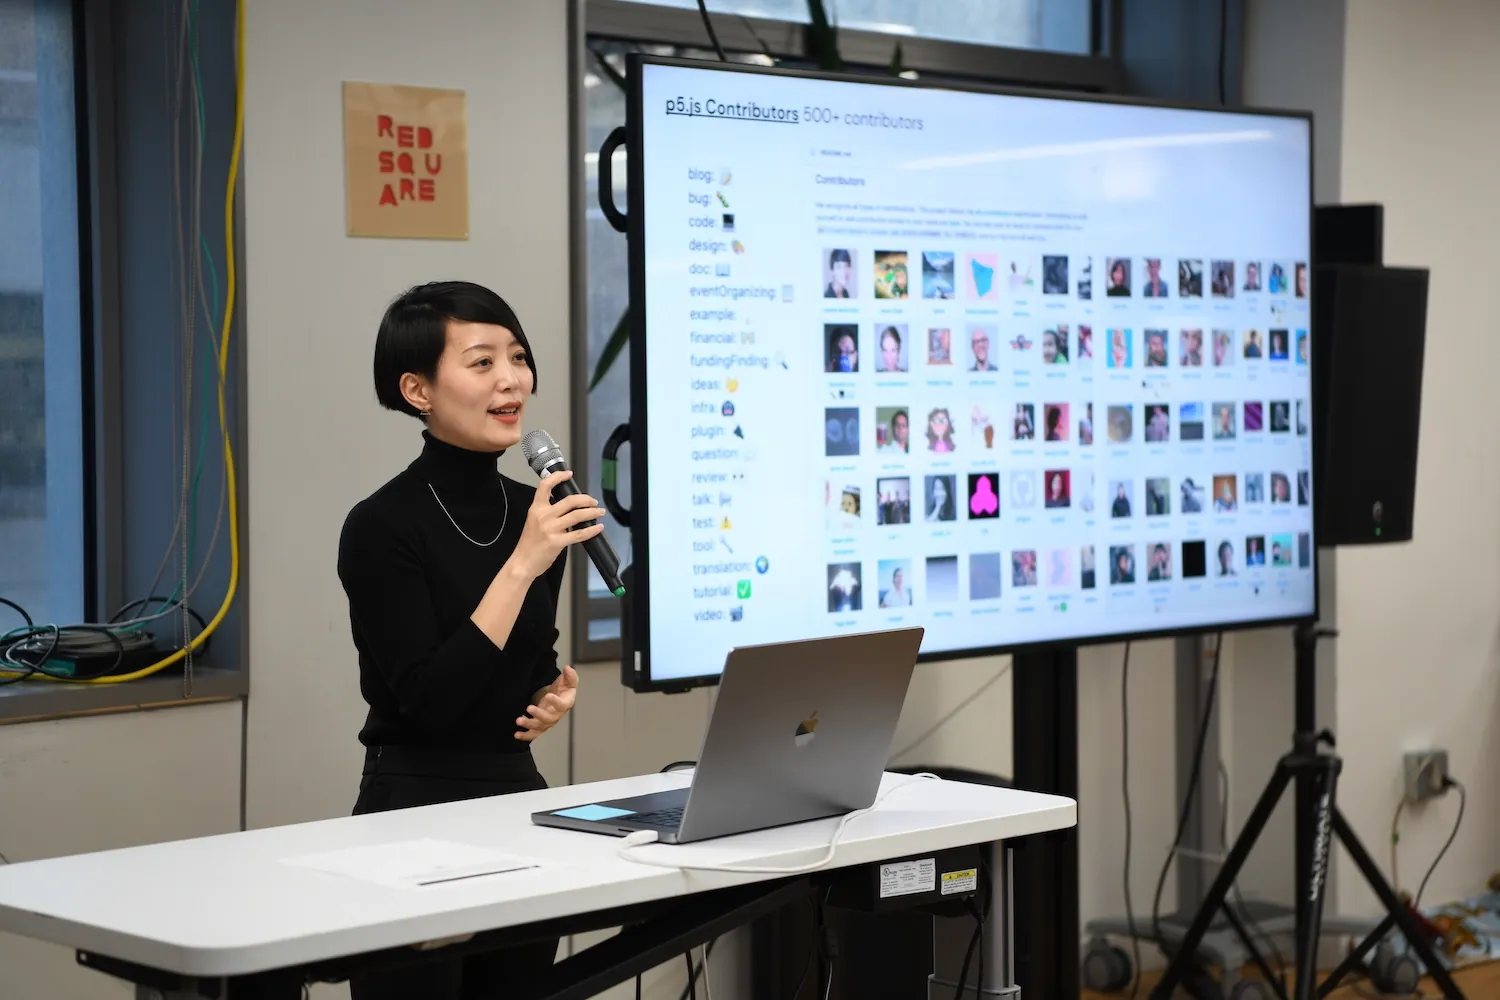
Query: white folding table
243, 915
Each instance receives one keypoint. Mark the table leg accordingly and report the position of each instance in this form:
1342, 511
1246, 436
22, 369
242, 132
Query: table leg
951, 937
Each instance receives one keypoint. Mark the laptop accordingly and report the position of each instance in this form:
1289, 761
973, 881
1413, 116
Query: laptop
800, 731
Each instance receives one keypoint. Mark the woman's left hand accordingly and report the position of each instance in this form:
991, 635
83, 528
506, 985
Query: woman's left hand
553, 702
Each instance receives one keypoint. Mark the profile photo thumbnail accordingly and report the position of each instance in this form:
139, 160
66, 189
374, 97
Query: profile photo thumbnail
1301, 347
1085, 353
1083, 489
1156, 348
842, 343
1281, 550
893, 500
1194, 559
1121, 564
1086, 570
841, 503
1281, 488
1117, 277
981, 341
1158, 496
1221, 279
1255, 488
845, 589
1120, 348
1190, 421
1054, 274
939, 346
942, 579
1192, 495
1085, 268
1154, 286
890, 274
841, 431
1055, 345
839, 280
1158, 562
1023, 423
1023, 568
984, 496
937, 274
1255, 550
1060, 568
984, 576
1300, 280
1301, 418
1020, 275
1304, 487
895, 583
1281, 416
1086, 425
892, 430
941, 501
980, 270
1254, 347
1158, 423
1255, 416
1226, 494
1304, 549
1023, 489
1121, 419
940, 430
981, 428
1191, 348
1252, 276
1276, 281
1278, 345
1190, 279
1223, 348
1120, 493
1055, 421
1224, 564
1058, 488
890, 343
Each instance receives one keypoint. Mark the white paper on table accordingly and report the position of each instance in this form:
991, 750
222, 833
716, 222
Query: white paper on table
414, 864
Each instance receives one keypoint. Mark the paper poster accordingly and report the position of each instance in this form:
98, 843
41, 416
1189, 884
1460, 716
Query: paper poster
406, 162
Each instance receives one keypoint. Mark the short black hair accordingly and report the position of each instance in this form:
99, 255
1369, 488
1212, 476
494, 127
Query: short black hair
414, 331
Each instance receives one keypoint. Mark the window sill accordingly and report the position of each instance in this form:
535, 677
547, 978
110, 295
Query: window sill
34, 701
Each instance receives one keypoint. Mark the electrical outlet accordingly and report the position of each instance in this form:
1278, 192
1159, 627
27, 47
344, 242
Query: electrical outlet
1426, 771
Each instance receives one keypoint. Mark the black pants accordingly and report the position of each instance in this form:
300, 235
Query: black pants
402, 778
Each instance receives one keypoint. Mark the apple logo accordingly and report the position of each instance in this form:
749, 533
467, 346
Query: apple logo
806, 730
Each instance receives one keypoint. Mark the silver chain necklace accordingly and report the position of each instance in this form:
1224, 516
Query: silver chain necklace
503, 517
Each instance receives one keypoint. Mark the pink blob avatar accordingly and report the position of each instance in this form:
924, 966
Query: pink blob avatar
984, 501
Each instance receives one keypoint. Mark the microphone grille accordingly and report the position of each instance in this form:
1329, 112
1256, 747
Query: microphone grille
539, 449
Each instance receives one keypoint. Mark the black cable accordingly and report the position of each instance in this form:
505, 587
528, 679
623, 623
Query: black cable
811, 951
1135, 944
698, 968
1209, 704
712, 36
692, 985
764, 48
678, 765
18, 610
637, 987
963, 970
1223, 45
1463, 801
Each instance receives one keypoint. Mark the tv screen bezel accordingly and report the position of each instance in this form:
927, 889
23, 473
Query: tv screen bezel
635, 655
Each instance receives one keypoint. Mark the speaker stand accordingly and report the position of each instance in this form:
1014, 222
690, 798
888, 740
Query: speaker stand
1315, 773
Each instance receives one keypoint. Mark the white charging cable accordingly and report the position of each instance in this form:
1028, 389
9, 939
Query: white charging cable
643, 837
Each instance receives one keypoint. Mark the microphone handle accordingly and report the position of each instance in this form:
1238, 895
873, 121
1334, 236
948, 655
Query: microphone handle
600, 552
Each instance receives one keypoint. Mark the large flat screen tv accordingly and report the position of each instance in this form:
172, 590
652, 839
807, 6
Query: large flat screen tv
1024, 369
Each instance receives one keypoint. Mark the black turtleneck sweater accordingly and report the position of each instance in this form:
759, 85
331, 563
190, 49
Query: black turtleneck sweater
430, 676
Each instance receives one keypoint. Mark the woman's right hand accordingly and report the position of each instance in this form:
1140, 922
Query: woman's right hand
548, 525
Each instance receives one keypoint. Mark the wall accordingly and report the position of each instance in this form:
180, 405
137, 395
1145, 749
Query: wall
319, 443
92, 784
1419, 652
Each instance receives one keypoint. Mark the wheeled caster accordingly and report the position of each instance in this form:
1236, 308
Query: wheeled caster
1105, 967
1393, 973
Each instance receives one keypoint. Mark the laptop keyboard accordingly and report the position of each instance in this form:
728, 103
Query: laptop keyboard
667, 819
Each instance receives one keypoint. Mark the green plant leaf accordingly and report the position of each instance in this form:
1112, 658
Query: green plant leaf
618, 338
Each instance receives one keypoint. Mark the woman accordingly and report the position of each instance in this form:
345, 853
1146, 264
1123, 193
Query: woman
939, 431
840, 275
452, 573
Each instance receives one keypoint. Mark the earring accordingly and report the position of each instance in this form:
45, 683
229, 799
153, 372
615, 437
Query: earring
425, 413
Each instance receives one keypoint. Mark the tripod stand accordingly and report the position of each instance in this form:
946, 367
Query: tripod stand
1318, 821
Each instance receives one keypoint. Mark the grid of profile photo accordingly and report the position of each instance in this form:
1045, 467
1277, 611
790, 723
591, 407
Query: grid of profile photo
981, 456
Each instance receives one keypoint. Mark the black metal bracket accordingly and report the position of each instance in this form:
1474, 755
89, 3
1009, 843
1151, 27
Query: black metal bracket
609, 474
653, 933
614, 141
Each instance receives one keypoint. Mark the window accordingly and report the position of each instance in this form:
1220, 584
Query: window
992, 32
42, 517
1058, 25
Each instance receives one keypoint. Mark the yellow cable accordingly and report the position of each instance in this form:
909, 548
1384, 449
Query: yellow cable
229, 484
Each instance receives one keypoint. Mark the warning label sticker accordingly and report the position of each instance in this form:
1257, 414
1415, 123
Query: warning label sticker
966, 880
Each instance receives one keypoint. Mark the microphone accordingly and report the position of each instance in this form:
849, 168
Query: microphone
545, 458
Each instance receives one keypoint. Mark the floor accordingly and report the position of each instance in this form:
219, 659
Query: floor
1479, 982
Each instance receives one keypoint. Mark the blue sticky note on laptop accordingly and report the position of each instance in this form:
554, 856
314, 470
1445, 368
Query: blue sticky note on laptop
593, 813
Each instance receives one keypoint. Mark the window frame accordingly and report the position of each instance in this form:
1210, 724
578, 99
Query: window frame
1101, 71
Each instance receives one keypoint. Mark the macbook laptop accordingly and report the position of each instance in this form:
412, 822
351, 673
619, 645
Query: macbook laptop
800, 731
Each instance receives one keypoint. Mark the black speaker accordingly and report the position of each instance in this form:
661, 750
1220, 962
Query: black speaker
1369, 332
1349, 234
